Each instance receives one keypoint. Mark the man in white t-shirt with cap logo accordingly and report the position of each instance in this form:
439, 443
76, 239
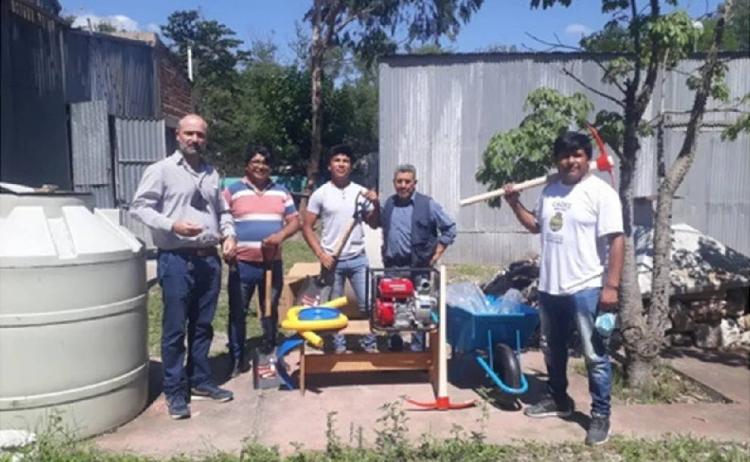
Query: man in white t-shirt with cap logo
579, 217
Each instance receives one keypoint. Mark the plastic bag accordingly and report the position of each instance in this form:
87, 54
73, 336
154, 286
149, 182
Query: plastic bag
510, 302
605, 323
468, 296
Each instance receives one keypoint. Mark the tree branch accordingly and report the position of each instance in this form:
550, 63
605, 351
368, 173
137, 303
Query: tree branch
687, 152
560, 45
652, 71
570, 74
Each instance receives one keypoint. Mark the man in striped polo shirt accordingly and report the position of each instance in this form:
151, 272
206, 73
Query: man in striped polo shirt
264, 216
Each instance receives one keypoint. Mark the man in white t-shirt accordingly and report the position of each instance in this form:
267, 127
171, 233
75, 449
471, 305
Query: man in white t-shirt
579, 217
335, 204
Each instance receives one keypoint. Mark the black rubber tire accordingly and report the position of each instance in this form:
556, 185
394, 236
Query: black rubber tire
506, 365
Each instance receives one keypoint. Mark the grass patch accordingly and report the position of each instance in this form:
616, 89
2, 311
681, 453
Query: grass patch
472, 273
669, 387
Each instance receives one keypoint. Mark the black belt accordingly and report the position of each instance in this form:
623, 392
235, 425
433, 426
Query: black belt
195, 251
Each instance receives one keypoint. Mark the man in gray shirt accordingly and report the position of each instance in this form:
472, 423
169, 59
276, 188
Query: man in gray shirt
179, 199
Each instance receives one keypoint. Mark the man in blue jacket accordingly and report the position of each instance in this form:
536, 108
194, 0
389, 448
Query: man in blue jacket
416, 232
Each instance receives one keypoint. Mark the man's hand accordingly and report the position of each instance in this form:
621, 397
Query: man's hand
186, 228
372, 196
229, 249
608, 299
439, 250
326, 260
273, 240
511, 195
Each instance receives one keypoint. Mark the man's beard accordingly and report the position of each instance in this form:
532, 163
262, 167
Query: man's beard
195, 149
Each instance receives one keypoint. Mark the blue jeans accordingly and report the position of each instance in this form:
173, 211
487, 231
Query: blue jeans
355, 270
190, 289
244, 277
559, 314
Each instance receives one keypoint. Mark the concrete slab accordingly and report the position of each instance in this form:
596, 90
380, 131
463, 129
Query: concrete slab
274, 417
724, 372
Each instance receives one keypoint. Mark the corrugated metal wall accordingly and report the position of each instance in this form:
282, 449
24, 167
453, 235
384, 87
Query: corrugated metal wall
118, 71
439, 112
34, 120
138, 144
92, 151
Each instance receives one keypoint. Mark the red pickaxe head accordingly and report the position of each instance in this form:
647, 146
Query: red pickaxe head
603, 162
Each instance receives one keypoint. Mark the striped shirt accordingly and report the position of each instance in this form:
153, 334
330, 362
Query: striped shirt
257, 214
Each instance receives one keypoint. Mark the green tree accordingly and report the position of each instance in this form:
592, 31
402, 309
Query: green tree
615, 38
216, 57
653, 42
366, 27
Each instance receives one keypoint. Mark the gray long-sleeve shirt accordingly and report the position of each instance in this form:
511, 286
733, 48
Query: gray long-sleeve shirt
169, 191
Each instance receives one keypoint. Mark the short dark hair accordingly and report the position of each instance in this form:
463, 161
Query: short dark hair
253, 149
343, 149
570, 142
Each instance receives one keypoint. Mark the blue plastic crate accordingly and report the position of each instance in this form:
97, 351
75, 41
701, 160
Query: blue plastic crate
468, 331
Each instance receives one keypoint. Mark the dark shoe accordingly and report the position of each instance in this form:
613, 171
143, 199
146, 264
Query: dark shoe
338, 343
397, 343
266, 347
598, 432
370, 348
238, 367
369, 343
211, 391
547, 407
178, 407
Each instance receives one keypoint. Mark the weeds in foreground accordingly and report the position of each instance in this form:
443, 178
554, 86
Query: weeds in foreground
392, 444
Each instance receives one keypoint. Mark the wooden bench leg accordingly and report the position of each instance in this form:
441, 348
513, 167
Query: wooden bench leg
302, 369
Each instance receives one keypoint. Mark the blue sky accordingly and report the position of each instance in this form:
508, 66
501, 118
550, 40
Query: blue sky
504, 22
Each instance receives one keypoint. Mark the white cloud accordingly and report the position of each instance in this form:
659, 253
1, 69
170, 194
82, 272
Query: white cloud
119, 21
153, 27
577, 30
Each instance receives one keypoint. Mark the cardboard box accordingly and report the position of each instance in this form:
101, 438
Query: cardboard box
294, 280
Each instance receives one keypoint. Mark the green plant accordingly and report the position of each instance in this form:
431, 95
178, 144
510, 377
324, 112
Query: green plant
333, 442
391, 437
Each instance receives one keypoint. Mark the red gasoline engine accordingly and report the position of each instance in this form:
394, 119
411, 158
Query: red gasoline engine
399, 305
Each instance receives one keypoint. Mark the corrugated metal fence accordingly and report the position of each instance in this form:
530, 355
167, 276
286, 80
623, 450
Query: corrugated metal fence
439, 113
138, 144
91, 150
110, 155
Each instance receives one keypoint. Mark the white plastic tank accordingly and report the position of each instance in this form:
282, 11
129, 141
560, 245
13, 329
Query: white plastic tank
73, 317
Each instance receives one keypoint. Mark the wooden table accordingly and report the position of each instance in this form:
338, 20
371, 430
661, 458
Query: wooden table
330, 363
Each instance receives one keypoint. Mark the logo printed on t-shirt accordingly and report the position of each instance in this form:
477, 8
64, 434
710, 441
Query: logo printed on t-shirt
556, 222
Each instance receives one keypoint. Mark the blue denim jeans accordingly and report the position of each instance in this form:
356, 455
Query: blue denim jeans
190, 289
355, 270
244, 278
559, 315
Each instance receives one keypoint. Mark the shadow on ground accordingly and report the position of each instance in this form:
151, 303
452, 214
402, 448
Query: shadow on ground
727, 358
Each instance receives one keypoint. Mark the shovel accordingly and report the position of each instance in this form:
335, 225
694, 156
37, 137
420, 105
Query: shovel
269, 252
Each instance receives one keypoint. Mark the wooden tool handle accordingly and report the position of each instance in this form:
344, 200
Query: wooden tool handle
520, 186
268, 280
343, 238
501, 192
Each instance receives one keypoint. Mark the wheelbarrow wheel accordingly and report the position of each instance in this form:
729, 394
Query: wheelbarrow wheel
505, 363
